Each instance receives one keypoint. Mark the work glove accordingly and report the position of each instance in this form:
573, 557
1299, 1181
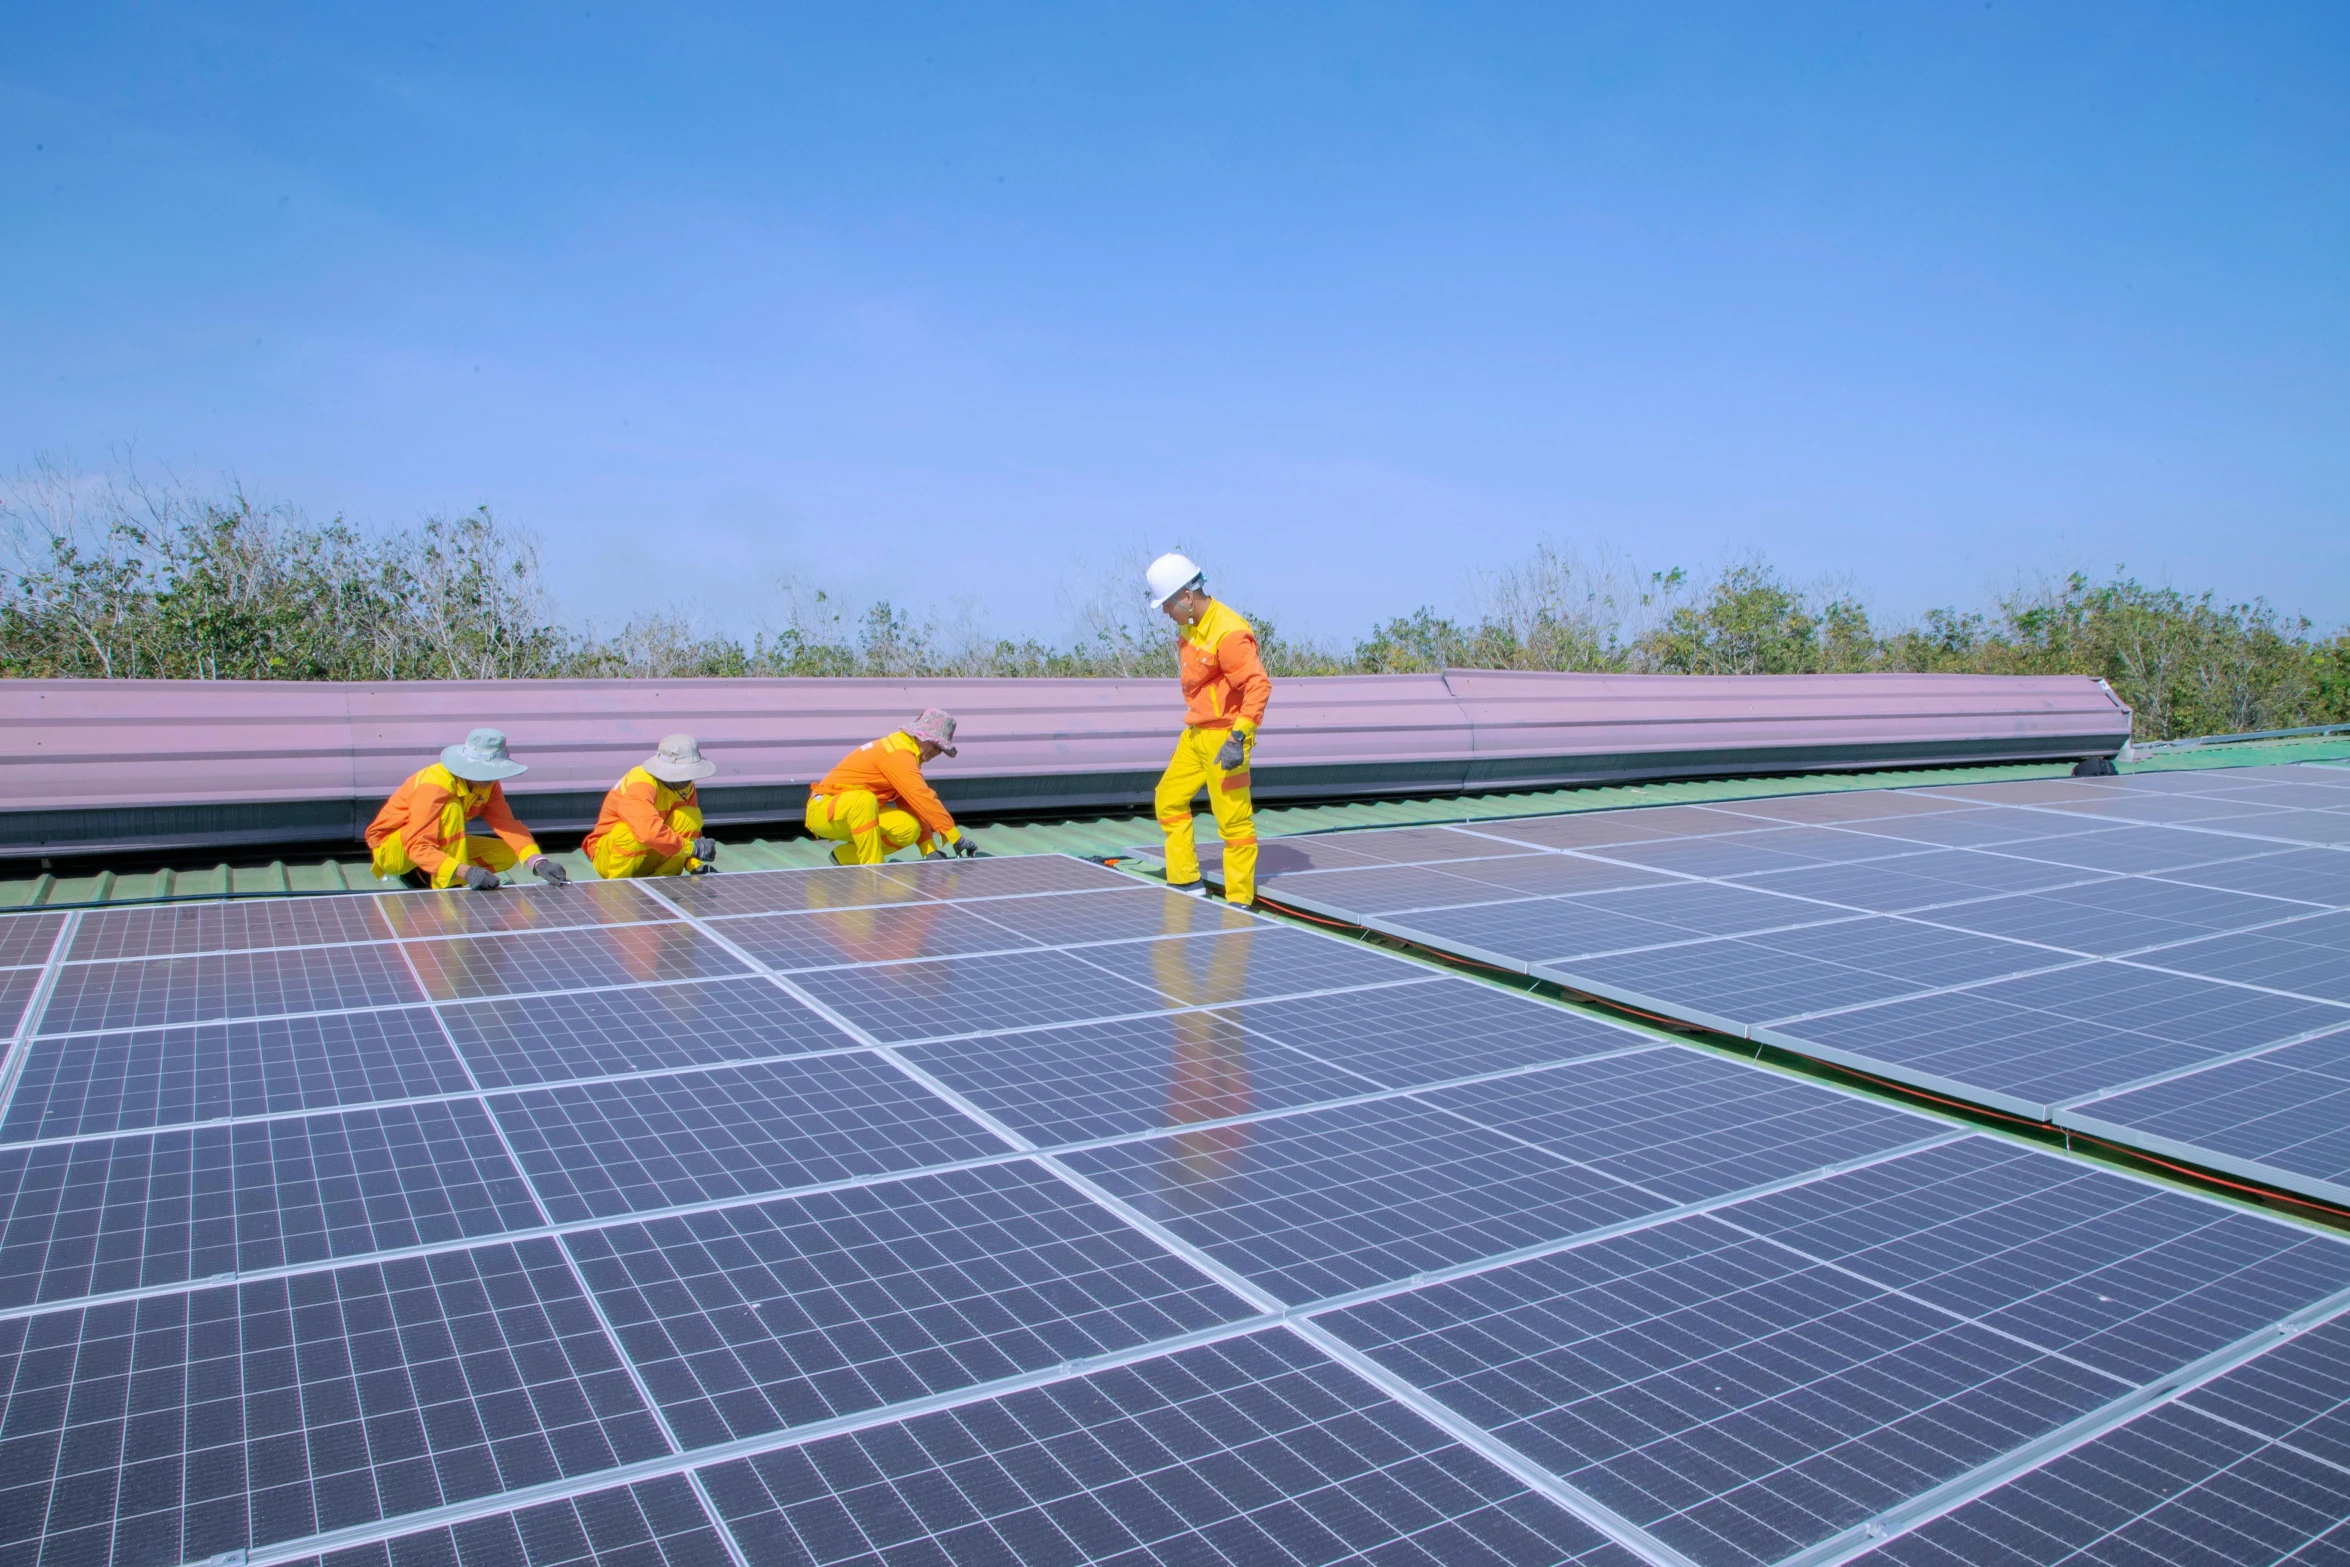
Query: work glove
705, 849
1234, 755
481, 878
964, 848
545, 869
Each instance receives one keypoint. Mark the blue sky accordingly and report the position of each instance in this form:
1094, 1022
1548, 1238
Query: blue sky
969, 304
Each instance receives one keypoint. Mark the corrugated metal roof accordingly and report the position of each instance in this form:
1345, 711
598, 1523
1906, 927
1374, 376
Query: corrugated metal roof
1108, 835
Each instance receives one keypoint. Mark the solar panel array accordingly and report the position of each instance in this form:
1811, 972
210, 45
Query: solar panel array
1013, 1211
2160, 959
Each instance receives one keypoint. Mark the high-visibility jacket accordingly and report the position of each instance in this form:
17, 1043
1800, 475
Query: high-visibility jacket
649, 809
1224, 682
890, 769
422, 826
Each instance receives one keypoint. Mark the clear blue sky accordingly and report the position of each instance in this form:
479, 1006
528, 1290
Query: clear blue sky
1348, 300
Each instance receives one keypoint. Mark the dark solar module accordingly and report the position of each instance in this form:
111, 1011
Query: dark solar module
791, 892
542, 1039
1009, 876
2121, 915
2173, 1486
1059, 918
1738, 1400
1092, 1080
1901, 886
1921, 955
597, 1149
1255, 1450
1747, 853
1281, 856
1380, 889
94, 997
2310, 957
2282, 1116
2041, 1040
1986, 871
1728, 985
947, 996
1596, 829
182, 1426
526, 905
2172, 810
2131, 1279
1686, 1125
785, 942
147, 1209
1317, 1204
178, 929
1539, 930
653, 1523
1842, 806
1556, 875
1422, 845
468, 966
2310, 875
1979, 828
2139, 850
1244, 965
28, 938
1449, 1028
2034, 791
752, 1319
163, 1077
16, 993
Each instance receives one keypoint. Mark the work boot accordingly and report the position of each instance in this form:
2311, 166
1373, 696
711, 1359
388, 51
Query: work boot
1190, 889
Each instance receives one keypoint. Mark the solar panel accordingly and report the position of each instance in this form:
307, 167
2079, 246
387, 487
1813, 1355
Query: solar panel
1955, 951
500, 1228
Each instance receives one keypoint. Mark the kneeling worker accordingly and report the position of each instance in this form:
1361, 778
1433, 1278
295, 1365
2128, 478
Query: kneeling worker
1225, 690
651, 824
876, 802
423, 835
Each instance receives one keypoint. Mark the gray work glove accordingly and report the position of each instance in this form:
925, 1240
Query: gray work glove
705, 849
545, 869
1234, 755
964, 848
481, 878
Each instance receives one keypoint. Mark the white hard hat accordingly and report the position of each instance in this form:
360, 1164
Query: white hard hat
1169, 575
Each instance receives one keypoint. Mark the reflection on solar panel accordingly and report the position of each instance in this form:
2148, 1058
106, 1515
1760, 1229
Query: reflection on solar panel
2138, 957
1014, 1211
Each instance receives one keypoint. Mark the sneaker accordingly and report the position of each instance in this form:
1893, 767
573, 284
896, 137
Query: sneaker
1190, 889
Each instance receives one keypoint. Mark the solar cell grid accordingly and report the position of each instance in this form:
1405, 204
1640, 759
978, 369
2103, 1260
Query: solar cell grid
1748, 853
176, 929
2328, 828
1450, 1028
1519, 934
2121, 915
163, 1208
1858, 805
1244, 965
1254, 1450
786, 892
181, 1426
1977, 828
846, 937
142, 993
1597, 829
943, 997
28, 938
1325, 1202
17, 988
1095, 1080
544, 1039
1913, 883
2307, 957
593, 1150
1560, 875
1117, 915
1730, 986
1687, 1126
471, 966
2139, 851
2309, 875
751, 1319
1010, 876
96, 1083
528, 906
1380, 889
1422, 845
653, 1523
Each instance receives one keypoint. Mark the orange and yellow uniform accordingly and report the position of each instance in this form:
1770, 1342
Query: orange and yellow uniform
876, 802
422, 829
647, 828
1225, 690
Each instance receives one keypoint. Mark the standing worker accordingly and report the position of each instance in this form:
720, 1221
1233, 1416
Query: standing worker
651, 824
876, 802
1224, 694
425, 835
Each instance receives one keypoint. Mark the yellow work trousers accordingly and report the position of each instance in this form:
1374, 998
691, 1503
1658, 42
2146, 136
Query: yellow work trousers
391, 859
867, 831
619, 855
1192, 767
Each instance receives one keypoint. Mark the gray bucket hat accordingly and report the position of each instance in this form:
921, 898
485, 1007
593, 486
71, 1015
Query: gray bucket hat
936, 725
482, 758
679, 760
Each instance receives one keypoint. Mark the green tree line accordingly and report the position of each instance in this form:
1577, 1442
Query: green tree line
127, 580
